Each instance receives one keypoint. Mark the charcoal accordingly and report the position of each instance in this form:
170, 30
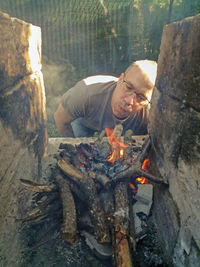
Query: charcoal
142, 216
97, 166
136, 149
68, 148
116, 168
83, 169
104, 149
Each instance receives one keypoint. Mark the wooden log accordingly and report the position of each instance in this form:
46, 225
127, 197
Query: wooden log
69, 225
153, 178
44, 210
100, 137
35, 187
69, 148
128, 141
122, 254
67, 168
117, 132
96, 212
132, 236
135, 170
103, 179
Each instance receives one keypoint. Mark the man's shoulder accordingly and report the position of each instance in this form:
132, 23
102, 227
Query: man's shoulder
99, 79
95, 86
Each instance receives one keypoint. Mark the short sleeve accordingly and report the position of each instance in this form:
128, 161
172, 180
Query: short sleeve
75, 100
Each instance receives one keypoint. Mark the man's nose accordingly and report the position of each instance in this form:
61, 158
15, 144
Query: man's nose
129, 99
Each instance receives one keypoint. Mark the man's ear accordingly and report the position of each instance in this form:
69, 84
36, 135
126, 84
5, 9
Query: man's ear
121, 76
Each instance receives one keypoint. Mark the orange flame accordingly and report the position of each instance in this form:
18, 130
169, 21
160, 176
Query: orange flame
117, 146
142, 179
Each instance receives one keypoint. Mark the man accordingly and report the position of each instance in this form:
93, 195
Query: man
100, 102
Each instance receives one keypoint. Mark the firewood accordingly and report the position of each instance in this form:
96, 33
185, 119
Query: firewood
55, 210
123, 255
121, 250
68, 147
76, 189
128, 141
117, 132
121, 215
69, 169
69, 225
152, 178
135, 170
100, 137
43, 211
102, 179
104, 148
132, 235
145, 149
42, 208
127, 174
35, 187
96, 211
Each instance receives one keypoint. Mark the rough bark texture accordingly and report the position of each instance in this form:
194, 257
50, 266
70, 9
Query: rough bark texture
175, 132
121, 226
22, 126
69, 225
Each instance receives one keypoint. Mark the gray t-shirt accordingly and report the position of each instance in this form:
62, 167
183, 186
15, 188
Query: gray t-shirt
90, 99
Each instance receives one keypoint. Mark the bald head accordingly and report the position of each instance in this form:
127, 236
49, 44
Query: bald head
148, 67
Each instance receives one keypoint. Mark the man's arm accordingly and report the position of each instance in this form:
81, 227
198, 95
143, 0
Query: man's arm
63, 122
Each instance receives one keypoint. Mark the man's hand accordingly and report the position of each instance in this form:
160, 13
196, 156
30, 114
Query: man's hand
63, 122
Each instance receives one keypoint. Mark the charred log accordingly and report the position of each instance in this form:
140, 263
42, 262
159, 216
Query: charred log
122, 254
69, 225
68, 169
42, 211
96, 211
35, 187
135, 171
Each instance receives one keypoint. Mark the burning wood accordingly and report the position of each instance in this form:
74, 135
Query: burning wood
114, 141
94, 178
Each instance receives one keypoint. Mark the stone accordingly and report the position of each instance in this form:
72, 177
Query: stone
144, 199
20, 50
179, 69
22, 128
174, 127
143, 204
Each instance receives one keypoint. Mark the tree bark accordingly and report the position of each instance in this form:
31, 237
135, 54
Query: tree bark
69, 225
122, 255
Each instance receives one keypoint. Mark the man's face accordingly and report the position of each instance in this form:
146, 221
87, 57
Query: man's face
133, 91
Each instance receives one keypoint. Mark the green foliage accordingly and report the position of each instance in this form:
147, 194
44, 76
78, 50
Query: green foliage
52, 130
100, 35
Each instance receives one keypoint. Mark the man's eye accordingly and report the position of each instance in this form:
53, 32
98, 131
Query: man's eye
141, 98
129, 88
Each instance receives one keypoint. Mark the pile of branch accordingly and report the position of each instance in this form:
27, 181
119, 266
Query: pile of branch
106, 201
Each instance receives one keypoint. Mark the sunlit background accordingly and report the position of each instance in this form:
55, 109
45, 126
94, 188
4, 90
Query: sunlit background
100, 35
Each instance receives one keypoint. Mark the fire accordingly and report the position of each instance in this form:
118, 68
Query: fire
142, 179
117, 146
